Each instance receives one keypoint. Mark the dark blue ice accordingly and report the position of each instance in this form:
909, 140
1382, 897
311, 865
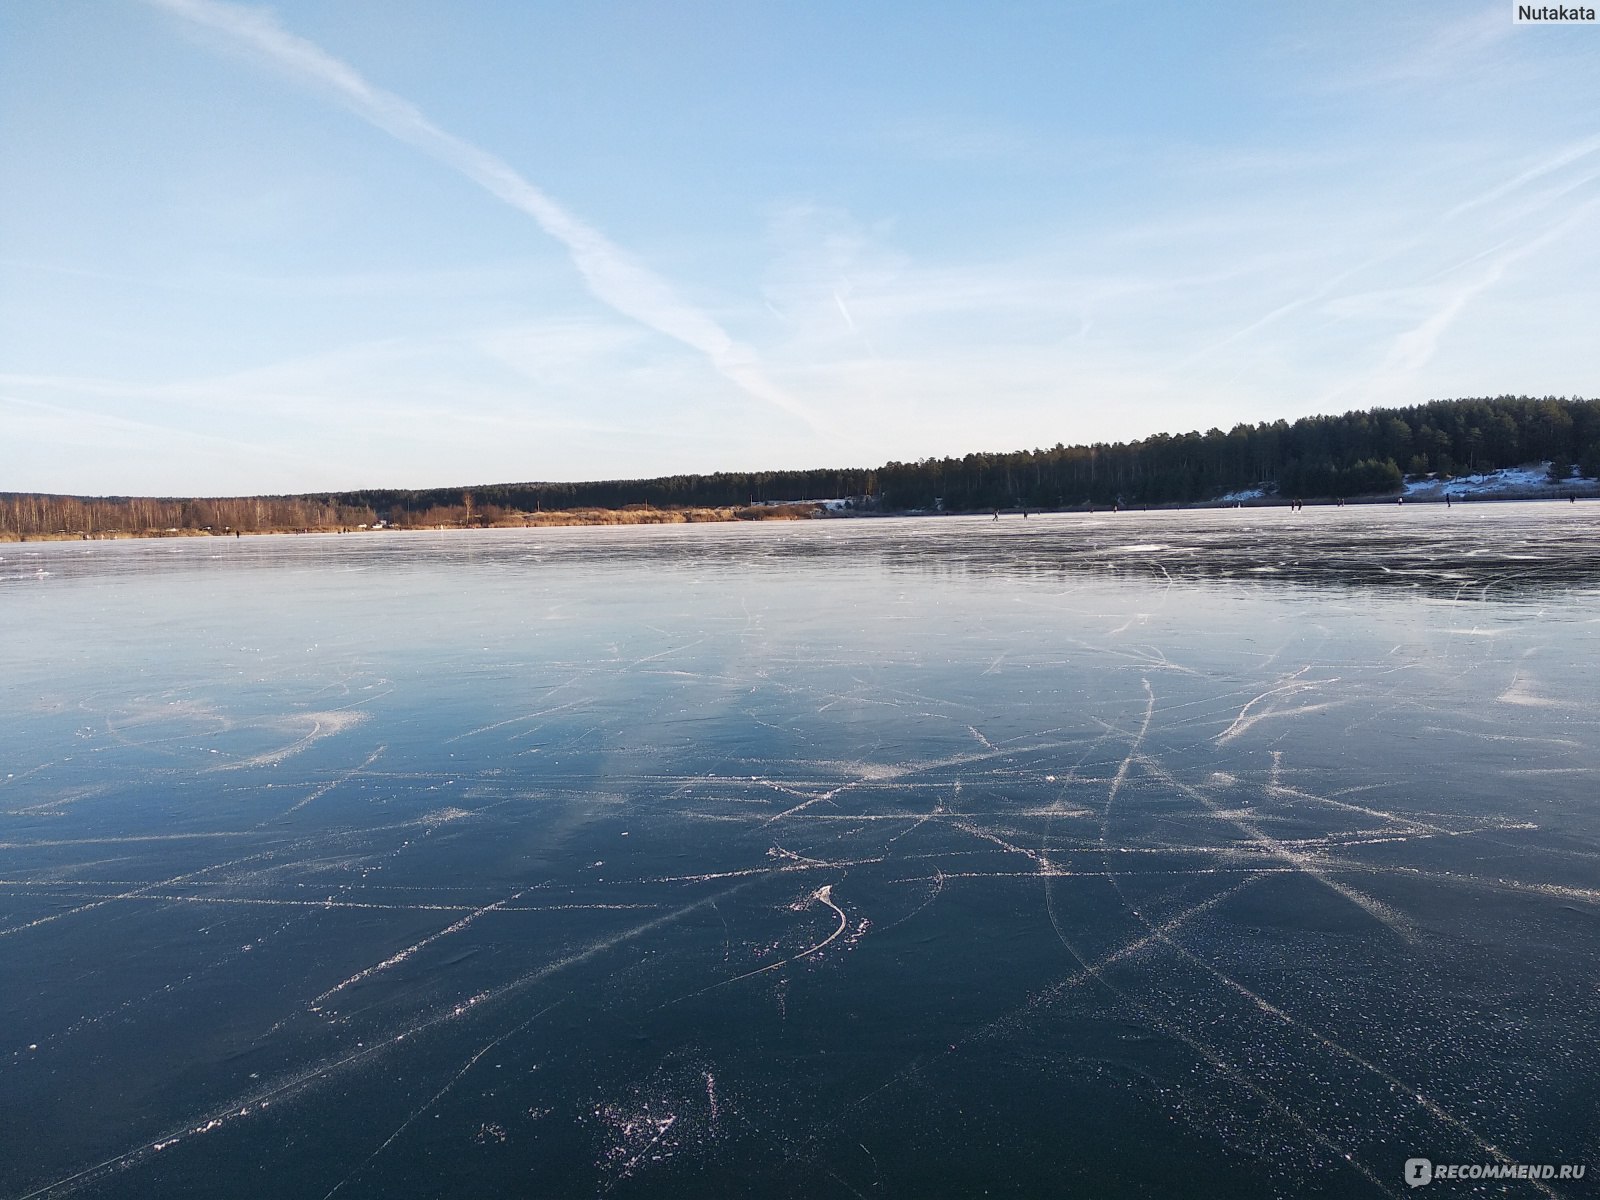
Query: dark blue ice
1238, 853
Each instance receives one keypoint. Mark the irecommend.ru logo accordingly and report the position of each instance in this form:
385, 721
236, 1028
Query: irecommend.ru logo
1421, 1171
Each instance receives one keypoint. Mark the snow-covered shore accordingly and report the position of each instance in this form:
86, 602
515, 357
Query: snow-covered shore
1531, 481
1528, 482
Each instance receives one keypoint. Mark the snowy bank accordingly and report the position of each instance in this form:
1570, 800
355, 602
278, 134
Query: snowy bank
1527, 482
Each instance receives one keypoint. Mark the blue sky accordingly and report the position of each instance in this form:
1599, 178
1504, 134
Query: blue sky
392, 243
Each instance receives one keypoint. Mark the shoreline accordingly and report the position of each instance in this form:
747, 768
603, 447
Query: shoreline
563, 518
589, 518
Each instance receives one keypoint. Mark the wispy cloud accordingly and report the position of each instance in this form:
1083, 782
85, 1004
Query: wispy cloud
129, 455
612, 275
1458, 44
1413, 349
1564, 157
958, 141
1436, 233
1425, 46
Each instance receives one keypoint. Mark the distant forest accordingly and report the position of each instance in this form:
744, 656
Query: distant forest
1360, 453
1357, 454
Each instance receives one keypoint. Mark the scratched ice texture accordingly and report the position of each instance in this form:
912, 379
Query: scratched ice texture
1241, 853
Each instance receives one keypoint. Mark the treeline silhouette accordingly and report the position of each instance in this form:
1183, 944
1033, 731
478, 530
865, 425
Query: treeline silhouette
27, 514
1360, 453
721, 490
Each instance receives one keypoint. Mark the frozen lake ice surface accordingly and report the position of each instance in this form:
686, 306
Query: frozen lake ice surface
1237, 852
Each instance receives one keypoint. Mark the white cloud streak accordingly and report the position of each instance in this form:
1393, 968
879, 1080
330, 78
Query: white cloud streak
1568, 155
129, 454
611, 274
1413, 349
1416, 347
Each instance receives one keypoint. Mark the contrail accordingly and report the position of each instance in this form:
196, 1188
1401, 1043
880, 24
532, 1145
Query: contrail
1568, 154
1412, 350
612, 275
844, 312
1572, 153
